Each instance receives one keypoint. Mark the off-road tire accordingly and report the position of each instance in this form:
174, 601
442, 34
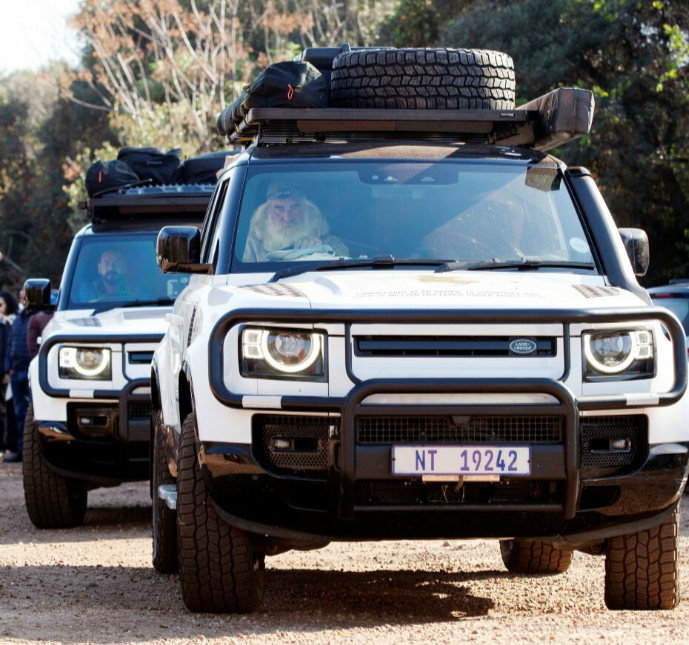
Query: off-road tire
52, 501
164, 527
464, 79
534, 556
219, 570
642, 569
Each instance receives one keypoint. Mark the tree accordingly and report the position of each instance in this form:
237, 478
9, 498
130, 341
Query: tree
40, 136
634, 56
165, 68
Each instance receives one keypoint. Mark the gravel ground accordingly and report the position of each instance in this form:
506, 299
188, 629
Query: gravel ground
95, 584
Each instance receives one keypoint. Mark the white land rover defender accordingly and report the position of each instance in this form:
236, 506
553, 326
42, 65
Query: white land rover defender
89, 423
415, 324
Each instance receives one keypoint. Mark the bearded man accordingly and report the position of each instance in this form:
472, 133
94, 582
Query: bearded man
287, 220
110, 283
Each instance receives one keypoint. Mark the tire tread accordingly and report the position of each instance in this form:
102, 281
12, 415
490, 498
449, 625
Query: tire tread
642, 569
52, 500
164, 556
433, 78
218, 569
534, 556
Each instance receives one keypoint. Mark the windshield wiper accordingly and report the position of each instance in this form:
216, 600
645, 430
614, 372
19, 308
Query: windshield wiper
382, 262
524, 264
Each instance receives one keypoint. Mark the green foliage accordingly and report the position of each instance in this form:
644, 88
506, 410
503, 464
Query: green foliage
634, 56
418, 23
41, 136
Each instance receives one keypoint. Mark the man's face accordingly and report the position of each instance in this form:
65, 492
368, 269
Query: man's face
285, 213
111, 267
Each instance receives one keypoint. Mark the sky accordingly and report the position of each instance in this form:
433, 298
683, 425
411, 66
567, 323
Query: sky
34, 32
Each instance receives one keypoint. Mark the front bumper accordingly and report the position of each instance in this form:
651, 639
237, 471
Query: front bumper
111, 448
249, 498
563, 498
114, 447
354, 496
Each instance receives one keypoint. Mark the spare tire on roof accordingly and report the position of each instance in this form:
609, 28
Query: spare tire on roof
465, 79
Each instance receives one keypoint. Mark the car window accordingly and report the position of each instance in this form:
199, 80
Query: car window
115, 270
211, 220
445, 211
677, 304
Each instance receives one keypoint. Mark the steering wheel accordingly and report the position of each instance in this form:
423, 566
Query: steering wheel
291, 254
115, 295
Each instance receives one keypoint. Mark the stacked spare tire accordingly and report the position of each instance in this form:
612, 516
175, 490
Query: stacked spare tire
453, 79
151, 167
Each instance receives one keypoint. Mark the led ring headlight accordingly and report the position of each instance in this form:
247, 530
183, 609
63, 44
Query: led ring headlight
290, 346
84, 362
269, 353
614, 352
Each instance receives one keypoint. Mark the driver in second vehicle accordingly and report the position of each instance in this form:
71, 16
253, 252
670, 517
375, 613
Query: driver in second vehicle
288, 220
110, 283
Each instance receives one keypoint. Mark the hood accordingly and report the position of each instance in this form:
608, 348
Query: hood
402, 289
135, 321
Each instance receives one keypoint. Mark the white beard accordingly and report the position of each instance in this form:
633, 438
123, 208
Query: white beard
277, 238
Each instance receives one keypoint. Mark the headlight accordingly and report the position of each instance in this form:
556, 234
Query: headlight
281, 353
85, 363
628, 354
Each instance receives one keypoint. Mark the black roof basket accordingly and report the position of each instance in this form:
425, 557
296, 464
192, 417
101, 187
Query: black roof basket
150, 202
545, 123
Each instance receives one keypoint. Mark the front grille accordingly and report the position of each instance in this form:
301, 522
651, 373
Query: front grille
427, 346
510, 491
595, 429
310, 437
139, 410
460, 429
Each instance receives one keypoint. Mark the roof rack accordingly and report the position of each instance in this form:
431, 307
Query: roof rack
148, 202
284, 125
547, 122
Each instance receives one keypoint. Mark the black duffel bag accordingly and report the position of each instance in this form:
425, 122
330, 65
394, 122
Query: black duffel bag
151, 163
204, 168
282, 85
104, 176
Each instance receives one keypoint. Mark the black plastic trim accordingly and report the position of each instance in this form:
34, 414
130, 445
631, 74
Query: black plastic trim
611, 251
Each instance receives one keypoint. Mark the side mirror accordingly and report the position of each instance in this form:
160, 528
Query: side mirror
636, 243
37, 294
179, 250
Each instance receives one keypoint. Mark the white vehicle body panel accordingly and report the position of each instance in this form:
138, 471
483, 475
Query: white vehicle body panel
89, 330
408, 290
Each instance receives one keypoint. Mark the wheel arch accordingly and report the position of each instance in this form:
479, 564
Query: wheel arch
185, 390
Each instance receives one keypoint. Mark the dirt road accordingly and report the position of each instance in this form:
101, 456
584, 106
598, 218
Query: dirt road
96, 585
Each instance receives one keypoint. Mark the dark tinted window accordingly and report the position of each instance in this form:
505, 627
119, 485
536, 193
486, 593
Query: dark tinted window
116, 270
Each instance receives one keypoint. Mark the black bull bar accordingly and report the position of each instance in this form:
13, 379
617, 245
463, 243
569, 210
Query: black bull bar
350, 406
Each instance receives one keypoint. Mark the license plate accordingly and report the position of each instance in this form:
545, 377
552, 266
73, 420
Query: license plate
509, 461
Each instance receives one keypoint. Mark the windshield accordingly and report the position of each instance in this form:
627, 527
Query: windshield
441, 210
120, 270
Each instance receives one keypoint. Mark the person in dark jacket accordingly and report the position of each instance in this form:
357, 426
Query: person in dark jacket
36, 326
17, 366
8, 310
